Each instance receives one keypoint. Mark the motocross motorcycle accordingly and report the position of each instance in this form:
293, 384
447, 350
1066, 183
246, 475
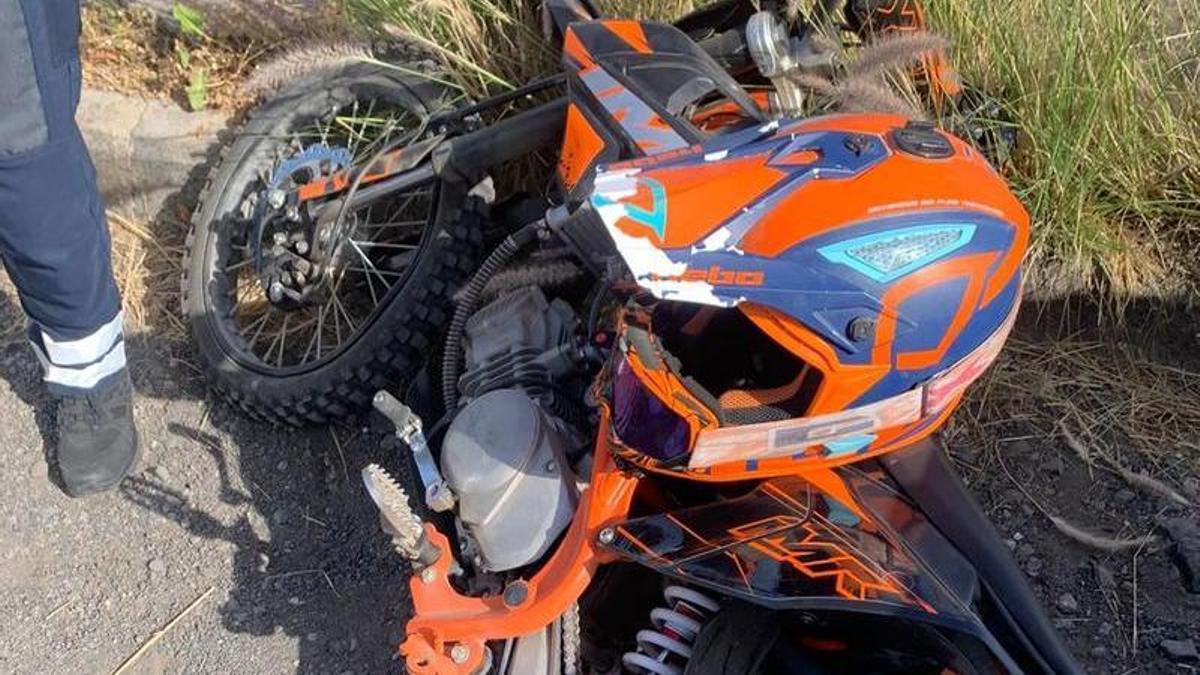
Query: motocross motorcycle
679, 411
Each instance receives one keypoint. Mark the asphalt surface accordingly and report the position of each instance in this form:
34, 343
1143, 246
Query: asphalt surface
275, 522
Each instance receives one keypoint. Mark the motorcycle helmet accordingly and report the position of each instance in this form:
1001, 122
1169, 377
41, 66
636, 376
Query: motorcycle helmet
812, 293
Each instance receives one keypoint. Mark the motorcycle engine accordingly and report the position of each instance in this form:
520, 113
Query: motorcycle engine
507, 455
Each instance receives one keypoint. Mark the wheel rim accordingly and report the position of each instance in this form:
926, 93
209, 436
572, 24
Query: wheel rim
382, 245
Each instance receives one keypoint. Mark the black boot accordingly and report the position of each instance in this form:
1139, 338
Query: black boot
97, 441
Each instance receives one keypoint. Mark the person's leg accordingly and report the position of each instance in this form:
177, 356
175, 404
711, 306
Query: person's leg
55, 242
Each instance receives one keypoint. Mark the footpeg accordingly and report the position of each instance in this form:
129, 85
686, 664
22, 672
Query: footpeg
397, 517
438, 495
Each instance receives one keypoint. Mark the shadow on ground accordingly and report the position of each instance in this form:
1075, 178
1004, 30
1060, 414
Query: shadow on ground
308, 559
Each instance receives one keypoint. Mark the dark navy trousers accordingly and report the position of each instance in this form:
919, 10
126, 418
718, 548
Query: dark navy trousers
53, 236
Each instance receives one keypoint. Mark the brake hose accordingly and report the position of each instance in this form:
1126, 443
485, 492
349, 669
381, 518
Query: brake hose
469, 301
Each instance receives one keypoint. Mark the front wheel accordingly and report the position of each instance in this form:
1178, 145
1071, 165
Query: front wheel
294, 342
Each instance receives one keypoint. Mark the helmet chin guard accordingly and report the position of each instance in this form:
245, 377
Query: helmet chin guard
664, 418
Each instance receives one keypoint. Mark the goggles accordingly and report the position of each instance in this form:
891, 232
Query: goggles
658, 419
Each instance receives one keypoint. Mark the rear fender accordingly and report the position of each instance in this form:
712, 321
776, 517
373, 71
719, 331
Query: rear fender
922, 471
842, 540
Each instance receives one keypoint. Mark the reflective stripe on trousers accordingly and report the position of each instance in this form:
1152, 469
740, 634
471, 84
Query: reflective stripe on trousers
84, 364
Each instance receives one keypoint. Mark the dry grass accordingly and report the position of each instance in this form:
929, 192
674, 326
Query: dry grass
301, 60
1120, 413
491, 44
146, 263
1131, 413
653, 10
126, 50
121, 50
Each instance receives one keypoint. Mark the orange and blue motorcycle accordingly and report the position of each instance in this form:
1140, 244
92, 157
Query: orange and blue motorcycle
683, 415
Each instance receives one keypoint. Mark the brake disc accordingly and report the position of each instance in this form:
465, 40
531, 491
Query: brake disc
312, 159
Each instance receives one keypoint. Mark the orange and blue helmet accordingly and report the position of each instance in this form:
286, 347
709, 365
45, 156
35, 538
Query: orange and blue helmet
816, 292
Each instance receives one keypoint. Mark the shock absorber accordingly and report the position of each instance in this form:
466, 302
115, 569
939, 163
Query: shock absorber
666, 649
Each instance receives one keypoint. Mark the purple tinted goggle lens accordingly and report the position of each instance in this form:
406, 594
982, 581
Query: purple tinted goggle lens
644, 423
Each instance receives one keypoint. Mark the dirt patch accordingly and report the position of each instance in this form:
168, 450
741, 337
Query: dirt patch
1114, 610
132, 50
142, 48
1099, 434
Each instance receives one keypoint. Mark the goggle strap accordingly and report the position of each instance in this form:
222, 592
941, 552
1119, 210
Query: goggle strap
796, 436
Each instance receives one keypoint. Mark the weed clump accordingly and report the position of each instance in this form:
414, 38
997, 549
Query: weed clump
1107, 99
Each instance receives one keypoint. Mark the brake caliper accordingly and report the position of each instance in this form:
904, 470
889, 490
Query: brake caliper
284, 229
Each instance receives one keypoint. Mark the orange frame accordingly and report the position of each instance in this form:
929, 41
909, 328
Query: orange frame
445, 622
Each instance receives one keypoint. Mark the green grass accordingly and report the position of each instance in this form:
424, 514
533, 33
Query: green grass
1107, 99
490, 44
1106, 95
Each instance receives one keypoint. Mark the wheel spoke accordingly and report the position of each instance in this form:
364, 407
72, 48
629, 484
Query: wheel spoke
417, 224
378, 244
370, 283
362, 132
315, 341
257, 333
353, 136
345, 314
273, 341
238, 265
379, 141
337, 321
325, 134
308, 350
376, 271
283, 333
409, 197
384, 238
246, 329
373, 271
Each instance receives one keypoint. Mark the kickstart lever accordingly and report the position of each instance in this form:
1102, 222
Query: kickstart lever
438, 495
